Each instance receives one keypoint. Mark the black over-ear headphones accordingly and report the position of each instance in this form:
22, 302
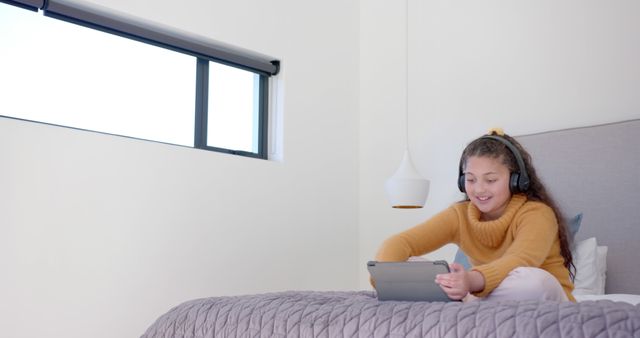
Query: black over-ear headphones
518, 182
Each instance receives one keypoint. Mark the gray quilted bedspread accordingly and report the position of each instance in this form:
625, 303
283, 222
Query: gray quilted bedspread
359, 314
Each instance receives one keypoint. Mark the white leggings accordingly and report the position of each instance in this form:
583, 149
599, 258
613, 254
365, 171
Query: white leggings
525, 283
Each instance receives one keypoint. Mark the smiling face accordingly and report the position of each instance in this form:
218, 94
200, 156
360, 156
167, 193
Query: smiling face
487, 185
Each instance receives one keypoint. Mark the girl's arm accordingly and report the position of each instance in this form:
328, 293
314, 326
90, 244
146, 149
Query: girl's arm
439, 230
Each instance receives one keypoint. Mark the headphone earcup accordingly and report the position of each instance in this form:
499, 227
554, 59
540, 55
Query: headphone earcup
514, 183
461, 183
523, 184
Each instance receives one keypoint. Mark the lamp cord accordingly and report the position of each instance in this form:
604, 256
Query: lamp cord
406, 130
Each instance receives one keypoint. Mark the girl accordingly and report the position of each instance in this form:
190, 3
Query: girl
508, 225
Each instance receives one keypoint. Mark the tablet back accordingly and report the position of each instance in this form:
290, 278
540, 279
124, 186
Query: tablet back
408, 281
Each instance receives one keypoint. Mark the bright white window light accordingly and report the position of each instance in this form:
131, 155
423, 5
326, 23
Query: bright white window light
233, 108
60, 73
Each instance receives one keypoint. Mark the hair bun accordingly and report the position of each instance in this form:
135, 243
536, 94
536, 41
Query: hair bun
496, 131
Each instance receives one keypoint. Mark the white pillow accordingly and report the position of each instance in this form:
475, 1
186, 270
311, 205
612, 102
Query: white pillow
585, 259
601, 261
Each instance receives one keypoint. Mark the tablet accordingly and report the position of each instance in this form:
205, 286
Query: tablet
408, 281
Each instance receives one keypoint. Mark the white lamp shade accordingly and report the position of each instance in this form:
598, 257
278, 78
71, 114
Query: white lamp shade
406, 189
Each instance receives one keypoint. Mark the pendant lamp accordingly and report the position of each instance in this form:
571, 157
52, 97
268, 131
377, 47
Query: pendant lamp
407, 189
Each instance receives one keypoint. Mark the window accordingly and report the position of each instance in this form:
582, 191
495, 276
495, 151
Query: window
234, 106
148, 86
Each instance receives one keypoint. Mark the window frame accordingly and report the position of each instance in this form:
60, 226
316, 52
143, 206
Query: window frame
201, 118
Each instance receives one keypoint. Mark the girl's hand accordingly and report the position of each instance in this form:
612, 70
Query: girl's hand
455, 284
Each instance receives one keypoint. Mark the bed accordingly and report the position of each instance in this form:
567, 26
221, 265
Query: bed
593, 174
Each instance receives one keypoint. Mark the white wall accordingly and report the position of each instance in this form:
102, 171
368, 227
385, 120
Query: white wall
526, 66
100, 235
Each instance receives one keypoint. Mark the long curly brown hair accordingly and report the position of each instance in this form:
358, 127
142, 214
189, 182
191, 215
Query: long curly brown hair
487, 147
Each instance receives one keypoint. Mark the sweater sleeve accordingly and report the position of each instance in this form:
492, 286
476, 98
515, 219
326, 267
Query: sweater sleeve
535, 233
425, 237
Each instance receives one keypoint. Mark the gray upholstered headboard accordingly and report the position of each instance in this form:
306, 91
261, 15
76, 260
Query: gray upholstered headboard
596, 170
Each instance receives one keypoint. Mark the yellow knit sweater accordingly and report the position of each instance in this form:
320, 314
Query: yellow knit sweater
525, 235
